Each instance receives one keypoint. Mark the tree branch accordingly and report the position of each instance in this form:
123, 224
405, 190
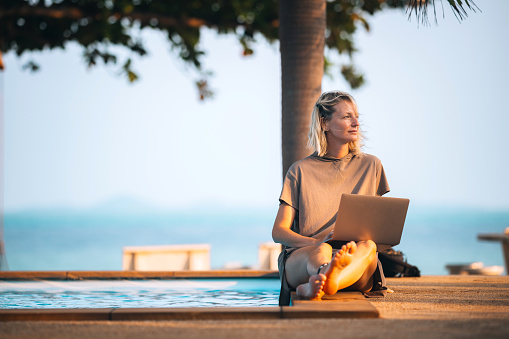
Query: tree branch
75, 13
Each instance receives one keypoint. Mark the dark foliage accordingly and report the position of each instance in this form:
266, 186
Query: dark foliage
100, 25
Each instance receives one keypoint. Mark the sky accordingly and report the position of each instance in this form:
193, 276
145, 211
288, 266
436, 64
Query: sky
433, 110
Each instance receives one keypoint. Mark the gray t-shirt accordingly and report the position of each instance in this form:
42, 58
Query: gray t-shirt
313, 186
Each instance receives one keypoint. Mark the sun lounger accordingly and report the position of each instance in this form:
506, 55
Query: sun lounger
193, 257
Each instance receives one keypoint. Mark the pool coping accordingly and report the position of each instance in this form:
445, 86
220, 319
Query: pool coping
116, 275
341, 305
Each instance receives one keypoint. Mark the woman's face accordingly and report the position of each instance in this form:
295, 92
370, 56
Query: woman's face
343, 127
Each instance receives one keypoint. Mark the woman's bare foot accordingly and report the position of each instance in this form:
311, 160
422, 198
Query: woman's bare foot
313, 289
339, 261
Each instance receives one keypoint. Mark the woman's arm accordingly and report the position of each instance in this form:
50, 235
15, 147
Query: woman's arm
281, 232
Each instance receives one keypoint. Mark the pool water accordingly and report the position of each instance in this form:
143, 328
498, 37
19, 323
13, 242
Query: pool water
139, 293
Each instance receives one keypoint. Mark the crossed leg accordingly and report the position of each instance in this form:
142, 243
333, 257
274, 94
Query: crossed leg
350, 268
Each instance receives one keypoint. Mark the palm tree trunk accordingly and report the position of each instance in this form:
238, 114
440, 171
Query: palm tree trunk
302, 40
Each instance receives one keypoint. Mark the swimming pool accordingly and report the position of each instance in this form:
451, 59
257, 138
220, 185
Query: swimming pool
150, 293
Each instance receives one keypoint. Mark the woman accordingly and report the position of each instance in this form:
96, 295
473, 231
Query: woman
310, 198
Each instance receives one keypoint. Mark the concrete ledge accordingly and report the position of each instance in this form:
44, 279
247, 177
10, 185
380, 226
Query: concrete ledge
113, 275
342, 309
93, 314
33, 275
197, 313
333, 310
339, 305
340, 296
226, 274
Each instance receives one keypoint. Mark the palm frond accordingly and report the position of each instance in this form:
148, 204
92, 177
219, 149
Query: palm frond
419, 8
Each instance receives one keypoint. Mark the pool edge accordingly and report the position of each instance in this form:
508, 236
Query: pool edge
199, 313
126, 275
361, 308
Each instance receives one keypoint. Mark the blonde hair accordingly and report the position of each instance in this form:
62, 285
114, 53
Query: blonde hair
322, 112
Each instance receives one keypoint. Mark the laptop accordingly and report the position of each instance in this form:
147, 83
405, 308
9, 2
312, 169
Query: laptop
365, 217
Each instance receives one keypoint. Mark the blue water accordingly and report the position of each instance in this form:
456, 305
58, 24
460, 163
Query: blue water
139, 293
74, 240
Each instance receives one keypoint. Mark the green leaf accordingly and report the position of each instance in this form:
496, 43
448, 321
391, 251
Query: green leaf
132, 76
355, 79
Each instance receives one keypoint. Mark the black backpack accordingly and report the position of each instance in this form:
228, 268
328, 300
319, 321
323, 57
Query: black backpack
395, 264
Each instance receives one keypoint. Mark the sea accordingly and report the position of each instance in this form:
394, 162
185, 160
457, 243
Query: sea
70, 239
